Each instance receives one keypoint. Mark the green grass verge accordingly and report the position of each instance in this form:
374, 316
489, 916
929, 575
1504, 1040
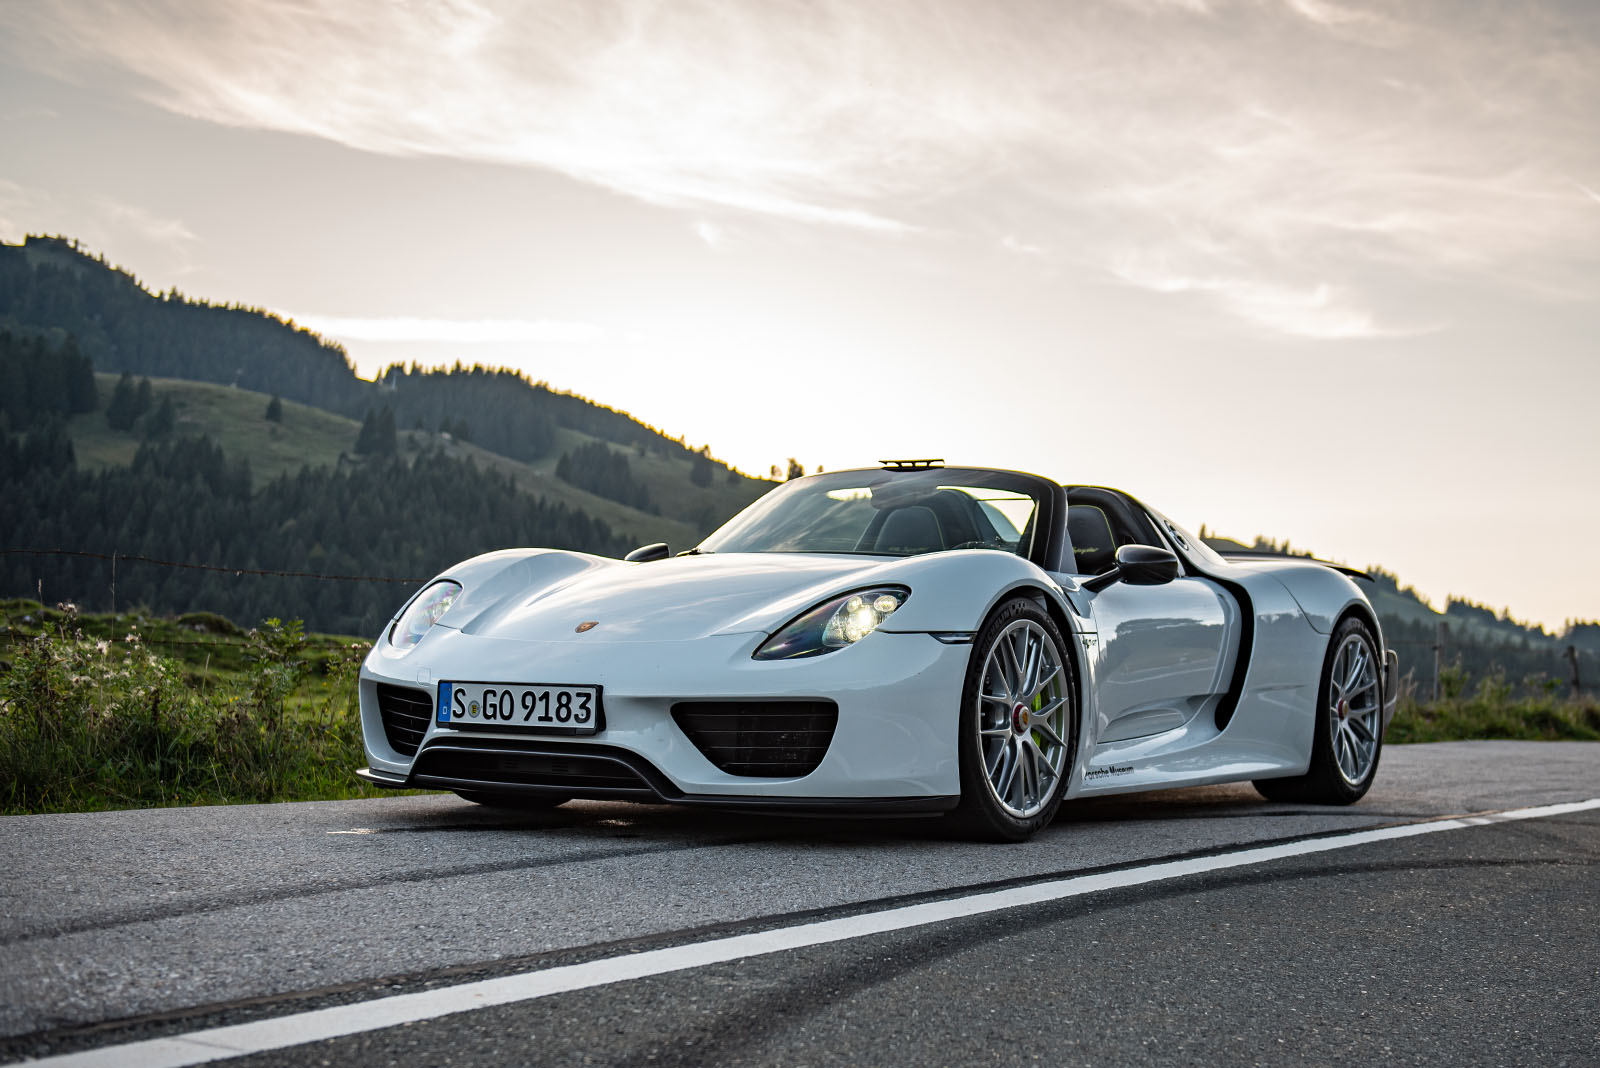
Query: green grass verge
127, 711
1483, 718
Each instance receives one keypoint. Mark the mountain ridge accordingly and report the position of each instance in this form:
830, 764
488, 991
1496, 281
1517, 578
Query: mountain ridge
521, 431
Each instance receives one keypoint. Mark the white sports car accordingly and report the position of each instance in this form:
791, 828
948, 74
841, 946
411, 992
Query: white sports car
911, 639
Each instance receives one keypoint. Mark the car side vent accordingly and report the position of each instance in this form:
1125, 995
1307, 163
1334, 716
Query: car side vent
405, 713
774, 739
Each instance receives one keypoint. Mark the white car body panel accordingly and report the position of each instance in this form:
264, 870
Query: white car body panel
1165, 700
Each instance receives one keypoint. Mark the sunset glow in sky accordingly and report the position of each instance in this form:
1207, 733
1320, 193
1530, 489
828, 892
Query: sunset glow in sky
1323, 269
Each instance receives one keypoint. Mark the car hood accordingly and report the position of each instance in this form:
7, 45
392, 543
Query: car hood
682, 598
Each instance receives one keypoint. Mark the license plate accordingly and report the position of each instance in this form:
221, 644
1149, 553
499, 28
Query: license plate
535, 708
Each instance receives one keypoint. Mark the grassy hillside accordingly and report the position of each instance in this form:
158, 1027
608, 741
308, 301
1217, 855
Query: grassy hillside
236, 419
53, 288
233, 417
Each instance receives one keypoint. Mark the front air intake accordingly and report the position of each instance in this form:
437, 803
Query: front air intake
773, 739
405, 713
499, 763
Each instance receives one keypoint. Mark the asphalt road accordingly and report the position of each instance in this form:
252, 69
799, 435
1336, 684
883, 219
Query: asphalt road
1477, 945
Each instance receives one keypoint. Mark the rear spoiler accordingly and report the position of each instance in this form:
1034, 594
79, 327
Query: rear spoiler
1268, 554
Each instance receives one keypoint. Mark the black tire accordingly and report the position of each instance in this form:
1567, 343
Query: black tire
981, 814
529, 802
1325, 782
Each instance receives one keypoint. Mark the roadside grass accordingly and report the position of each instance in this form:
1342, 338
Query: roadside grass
1489, 715
128, 711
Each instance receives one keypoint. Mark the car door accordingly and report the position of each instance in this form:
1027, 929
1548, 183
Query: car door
1163, 650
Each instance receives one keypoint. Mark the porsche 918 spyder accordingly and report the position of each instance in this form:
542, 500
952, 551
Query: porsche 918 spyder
917, 638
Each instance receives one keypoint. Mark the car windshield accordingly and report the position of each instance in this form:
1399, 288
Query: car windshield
887, 513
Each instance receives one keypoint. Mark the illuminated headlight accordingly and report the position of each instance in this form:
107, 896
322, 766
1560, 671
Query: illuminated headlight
420, 616
834, 624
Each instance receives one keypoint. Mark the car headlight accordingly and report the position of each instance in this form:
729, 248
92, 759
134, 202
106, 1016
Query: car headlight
834, 624
422, 614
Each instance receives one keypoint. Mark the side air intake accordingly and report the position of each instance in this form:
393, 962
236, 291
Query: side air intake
405, 713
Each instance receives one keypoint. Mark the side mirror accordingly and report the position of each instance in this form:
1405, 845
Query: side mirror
645, 553
1138, 565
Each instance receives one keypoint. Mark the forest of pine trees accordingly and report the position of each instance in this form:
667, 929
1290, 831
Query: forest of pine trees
183, 500
39, 379
601, 470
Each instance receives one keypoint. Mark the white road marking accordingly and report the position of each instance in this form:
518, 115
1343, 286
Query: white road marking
221, 1043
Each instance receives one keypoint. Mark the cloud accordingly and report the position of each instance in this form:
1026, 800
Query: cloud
460, 331
173, 233
1284, 146
1333, 16
709, 232
1021, 248
115, 227
1320, 312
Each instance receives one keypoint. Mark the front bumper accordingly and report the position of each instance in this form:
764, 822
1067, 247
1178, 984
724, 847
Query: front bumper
894, 747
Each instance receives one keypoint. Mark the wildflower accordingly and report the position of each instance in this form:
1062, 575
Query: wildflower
102, 647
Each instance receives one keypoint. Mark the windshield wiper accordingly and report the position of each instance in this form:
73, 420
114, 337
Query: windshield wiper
697, 552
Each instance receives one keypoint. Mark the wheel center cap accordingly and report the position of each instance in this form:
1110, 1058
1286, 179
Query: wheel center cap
1344, 709
1021, 717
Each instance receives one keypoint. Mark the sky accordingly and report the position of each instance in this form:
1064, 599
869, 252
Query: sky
1325, 270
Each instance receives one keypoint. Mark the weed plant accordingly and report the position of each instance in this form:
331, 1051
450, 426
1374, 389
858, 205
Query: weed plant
1491, 712
92, 722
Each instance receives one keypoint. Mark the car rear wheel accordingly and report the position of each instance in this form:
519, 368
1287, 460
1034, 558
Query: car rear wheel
1349, 725
526, 802
1018, 732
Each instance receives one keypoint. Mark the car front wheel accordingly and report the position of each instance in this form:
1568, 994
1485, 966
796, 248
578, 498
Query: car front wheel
1018, 731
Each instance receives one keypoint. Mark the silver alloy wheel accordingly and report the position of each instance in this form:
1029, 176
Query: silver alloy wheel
1022, 718
1354, 706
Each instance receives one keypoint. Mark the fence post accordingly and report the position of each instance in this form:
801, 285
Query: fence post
1438, 659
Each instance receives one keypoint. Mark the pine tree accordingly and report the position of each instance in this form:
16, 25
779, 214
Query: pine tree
377, 437
275, 409
144, 399
123, 407
701, 473
161, 422
81, 393
385, 438
364, 440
